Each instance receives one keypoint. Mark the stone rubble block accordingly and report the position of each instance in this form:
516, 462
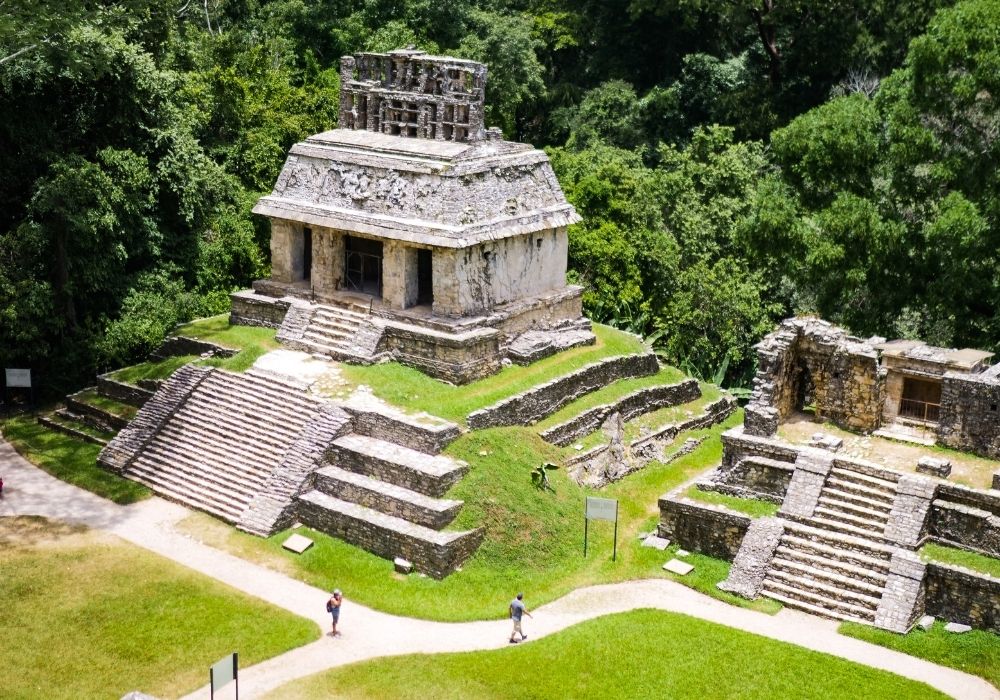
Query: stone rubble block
934, 466
824, 441
402, 566
957, 628
676, 566
656, 542
926, 622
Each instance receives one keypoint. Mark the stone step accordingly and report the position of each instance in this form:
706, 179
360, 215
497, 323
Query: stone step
196, 493
334, 325
827, 522
340, 311
832, 501
819, 600
378, 495
871, 548
854, 592
813, 609
221, 475
323, 341
882, 505
238, 453
873, 482
222, 425
875, 575
265, 396
431, 475
874, 525
220, 413
436, 553
268, 379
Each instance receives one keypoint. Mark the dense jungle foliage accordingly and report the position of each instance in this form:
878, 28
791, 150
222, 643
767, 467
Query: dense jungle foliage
734, 161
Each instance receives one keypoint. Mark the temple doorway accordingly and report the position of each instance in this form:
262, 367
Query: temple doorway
364, 265
425, 278
921, 400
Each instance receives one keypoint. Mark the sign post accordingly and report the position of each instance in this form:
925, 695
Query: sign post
223, 671
600, 509
18, 379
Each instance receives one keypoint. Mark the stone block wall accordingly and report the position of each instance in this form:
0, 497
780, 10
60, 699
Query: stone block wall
534, 404
738, 444
177, 345
970, 520
970, 413
430, 438
460, 358
434, 558
702, 528
249, 308
959, 595
120, 391
635, 404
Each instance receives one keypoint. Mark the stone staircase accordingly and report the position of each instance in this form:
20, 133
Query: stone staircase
836, 562
340, 332
386, 498
218, 449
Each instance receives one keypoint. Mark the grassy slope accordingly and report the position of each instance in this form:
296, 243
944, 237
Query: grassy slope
160, 369
534, 539
641, 654
753, 507
251, 341
415, 391
94, 618
70, 459
961, 557
976, 652
112, 406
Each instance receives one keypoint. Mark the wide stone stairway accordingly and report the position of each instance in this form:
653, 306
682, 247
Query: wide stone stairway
216, 452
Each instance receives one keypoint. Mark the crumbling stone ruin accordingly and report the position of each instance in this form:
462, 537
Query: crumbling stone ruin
411, 232
843, 543
872, 384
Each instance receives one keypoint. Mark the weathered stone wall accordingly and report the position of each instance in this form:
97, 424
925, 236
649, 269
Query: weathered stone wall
248, 308
120, 391
966, 518
635, 404
702, 528
94, 415
809, 360
534, 404
327, 274
459, 358
959, 595
738, 444
970, 413
177, 345
405, 430
287, 251
753, 560
434, 558
126, 446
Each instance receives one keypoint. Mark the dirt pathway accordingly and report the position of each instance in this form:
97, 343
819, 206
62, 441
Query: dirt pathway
369, 633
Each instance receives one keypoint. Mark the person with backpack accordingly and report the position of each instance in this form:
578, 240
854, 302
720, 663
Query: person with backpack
333, 607
517, 609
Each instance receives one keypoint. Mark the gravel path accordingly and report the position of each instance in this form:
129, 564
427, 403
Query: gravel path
368, 633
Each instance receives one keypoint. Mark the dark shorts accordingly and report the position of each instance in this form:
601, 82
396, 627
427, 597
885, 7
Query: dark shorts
335, 614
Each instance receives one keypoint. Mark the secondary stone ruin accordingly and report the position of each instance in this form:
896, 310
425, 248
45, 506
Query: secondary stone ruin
844, 541
902, 387
412, 232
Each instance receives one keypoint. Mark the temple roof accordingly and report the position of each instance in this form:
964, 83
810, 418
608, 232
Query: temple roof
436, 192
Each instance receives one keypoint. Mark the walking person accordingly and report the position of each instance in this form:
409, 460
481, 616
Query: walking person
333, 607
517, 609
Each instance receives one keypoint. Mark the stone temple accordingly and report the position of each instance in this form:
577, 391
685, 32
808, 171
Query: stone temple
414, 233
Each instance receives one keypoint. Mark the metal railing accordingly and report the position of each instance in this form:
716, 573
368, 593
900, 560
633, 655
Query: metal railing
920, 410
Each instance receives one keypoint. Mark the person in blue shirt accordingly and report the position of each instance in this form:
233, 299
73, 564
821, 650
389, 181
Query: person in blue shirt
517, 609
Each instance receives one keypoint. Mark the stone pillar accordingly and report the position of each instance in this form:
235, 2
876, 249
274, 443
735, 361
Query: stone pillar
286, 251
445, 283
393, 275
410, 287
324, 262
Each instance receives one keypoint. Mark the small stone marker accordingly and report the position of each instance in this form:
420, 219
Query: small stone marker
826, 442
297, 543
577, 447
934, 466
682, 552
656, 542
957, 628
676, 566
402, 566
926, 622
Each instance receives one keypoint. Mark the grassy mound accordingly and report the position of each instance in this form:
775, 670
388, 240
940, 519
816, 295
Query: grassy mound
88, 616
640, 654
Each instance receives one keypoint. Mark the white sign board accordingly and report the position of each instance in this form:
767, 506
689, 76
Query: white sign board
223, 671
602, 509
18, 378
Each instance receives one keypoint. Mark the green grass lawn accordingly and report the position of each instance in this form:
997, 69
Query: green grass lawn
413, 390
112, 406
82, 427
159, 369
70, 459
639, 654
534, 539
251, 341
86, 615
961, 557
753, 507
976, 652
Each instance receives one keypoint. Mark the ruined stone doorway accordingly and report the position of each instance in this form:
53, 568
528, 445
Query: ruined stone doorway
363, 264
805, 391
921, 400
307, 253
425, 278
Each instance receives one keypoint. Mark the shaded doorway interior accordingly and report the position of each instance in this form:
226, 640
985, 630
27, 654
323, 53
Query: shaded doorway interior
307, 253
364, 265
425, 278
921, 400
